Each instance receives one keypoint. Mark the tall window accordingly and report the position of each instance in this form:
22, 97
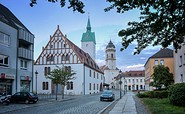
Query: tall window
24, 64
63, 59
180, 61
47, 71
112, 56
161, 62
90, 73
97, 86
4, 60
141, 80
156, 62
4, 39
97, 76
94, 87
44, 85
69, 85
94, 75
67, 57
89, 86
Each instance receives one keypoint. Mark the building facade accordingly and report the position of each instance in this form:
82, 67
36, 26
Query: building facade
62, 52
162, 57
131, 80
16, 55
179, 61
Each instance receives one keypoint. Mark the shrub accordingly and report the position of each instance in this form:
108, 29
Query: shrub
142, 95
177, 94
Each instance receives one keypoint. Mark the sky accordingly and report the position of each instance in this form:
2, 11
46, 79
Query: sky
43, 18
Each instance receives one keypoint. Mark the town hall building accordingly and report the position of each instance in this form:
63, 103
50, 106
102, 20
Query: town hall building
62, 52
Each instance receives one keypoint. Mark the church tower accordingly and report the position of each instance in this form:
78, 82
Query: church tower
110, 70
88, 42
111, 56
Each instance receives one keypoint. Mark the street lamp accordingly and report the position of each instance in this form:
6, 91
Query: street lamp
36, 73
120, 82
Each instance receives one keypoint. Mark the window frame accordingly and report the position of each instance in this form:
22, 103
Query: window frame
4, 59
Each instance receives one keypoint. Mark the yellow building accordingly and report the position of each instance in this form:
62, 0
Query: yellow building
163, 57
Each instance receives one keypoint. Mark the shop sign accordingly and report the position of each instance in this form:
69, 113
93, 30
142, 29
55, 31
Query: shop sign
7, 76
27, 78
10, 76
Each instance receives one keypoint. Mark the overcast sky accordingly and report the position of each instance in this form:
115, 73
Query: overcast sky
43, 18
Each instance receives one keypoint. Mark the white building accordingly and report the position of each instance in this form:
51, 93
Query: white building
16, 54
179, 61
61, 51
110, 69
131, 80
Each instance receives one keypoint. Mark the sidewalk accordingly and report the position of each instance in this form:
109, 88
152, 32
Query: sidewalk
126, 105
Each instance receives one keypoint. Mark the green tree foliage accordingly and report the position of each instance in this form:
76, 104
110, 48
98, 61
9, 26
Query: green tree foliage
76, 5
161, 76
162, 22
61, 76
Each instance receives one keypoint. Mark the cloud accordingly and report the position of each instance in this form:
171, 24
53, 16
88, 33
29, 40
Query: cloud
100, 62
132, 67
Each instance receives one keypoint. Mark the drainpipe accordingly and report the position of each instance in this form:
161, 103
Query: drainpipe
16, 76
84, 78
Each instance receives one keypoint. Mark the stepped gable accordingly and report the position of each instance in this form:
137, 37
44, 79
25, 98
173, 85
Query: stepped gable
82, 57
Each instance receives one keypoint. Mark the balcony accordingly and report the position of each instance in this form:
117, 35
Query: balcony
26, 36
25, 53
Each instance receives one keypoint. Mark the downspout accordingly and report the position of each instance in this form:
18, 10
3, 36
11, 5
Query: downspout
84, 78
32, 62
16, 76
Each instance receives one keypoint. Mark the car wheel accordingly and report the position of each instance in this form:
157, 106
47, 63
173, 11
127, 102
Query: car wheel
26, 101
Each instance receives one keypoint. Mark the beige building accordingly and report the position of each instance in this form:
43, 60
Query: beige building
162, 57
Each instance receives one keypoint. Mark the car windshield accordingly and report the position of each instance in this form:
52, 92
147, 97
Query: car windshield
107, 92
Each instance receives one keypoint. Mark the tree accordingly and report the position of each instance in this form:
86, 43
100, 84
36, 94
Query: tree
162, 22
76, 5
61, 76
161, 76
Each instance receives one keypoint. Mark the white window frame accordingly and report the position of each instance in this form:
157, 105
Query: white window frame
180, 61
3, 60
156, 61
162, 62
23, 64
5, 39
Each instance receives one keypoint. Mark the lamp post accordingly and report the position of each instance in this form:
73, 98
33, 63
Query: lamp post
36, 73
120, 82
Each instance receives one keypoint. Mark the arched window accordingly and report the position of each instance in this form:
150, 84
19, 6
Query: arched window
67, 57
63, 59
111, 55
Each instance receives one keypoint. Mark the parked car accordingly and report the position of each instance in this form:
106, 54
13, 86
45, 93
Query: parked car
25, 97
107, 95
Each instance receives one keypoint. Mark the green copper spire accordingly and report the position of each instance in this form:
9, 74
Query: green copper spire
88, 36
88, 25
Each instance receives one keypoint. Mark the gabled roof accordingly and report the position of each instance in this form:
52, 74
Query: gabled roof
138, 73
163, 53
10, 19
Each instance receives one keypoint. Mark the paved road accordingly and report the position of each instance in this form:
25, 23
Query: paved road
88, 104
